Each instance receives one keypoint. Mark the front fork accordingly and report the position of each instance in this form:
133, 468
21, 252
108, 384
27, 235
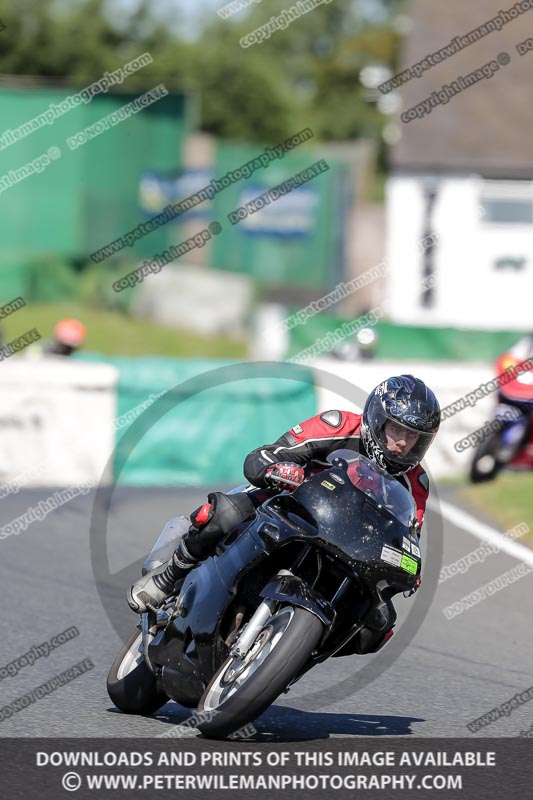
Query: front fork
289, 589
254, 627
285, 587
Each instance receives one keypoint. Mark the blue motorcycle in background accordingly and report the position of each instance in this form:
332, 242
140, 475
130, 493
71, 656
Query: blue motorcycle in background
509, 442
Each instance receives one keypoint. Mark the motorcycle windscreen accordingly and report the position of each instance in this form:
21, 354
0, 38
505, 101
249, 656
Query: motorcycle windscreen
361, 510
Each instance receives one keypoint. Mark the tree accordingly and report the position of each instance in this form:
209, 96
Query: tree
304, 75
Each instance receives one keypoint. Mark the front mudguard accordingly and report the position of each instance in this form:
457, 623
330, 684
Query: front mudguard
295, 591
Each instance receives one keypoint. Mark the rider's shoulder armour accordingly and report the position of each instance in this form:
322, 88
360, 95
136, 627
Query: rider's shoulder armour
423, 480
333, 418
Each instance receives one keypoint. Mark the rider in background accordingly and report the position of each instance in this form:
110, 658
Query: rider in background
516, 394
399, 422
69, 335
523, 349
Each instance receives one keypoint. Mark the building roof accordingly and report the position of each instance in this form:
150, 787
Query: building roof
488, 127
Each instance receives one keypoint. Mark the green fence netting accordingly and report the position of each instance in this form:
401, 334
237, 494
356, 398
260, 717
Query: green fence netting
297, 239
200, 432
410, 342
99, 182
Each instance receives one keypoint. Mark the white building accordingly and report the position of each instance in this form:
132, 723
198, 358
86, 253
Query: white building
462, 177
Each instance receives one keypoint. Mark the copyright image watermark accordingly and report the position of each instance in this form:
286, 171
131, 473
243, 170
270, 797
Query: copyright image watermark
346, 288
485, 389
271, 195
455, 46
116, 117
281, 21
216, 185
326, 343
496, 425
37, 651
246, 732
18, 344
233, 8
54, 111
39, 512
450, 90
487, 590
156, 264
341, 291
68, 675
503, 710
480, 554
527, 733
33, 167
525, 47
189, 727
9, 308
14, 485
130, 416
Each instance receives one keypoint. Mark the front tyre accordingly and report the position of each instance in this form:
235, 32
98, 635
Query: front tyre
131, 685
242, 689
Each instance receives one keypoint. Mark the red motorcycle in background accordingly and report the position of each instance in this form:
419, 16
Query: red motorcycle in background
510, 444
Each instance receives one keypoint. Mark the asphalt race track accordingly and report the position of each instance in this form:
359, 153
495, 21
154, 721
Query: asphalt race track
450, 673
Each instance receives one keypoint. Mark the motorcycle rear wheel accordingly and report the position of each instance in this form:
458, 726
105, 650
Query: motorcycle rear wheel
242, 689
485, 464
131, 685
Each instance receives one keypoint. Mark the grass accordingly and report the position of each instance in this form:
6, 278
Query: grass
114, 334
508, 500
453, 480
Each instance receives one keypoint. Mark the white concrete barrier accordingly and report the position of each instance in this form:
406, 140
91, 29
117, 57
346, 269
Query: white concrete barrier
56, 421
205, 301
449, 380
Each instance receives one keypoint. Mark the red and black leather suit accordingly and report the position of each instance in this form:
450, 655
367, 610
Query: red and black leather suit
309, 444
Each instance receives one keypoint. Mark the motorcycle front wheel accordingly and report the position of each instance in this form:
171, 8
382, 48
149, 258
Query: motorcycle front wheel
242, 689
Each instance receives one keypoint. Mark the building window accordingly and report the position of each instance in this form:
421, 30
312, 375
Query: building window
507, 202
511, 263
508, 211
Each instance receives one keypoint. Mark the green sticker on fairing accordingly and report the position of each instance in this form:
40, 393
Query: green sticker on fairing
409, 564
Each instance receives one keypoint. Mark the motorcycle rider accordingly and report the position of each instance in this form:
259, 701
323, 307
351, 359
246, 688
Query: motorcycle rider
523, 348
515, 403
399, 422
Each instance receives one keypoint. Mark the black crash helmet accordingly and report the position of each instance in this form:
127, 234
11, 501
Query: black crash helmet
408, 402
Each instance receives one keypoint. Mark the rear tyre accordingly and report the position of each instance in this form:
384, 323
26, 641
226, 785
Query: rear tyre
241, 690
131, 685
485, 465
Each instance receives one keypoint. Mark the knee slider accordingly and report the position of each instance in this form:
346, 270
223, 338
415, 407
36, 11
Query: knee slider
228, 511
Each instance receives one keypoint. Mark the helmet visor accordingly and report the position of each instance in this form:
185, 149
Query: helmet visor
403, 445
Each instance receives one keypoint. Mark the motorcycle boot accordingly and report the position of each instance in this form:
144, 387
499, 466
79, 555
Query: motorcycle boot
150, 590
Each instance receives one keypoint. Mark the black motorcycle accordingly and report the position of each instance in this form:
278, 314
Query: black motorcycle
285, 592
